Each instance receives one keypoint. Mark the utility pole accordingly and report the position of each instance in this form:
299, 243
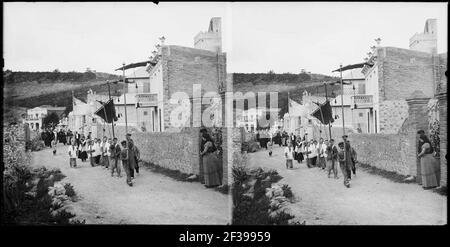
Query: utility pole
342, 101
342, 107
125, 104
125, 98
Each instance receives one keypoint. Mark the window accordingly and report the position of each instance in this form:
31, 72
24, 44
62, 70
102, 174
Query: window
360, 114
145, 113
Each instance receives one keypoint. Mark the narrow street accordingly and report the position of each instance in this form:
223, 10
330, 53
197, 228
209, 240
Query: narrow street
371, 199
154, 198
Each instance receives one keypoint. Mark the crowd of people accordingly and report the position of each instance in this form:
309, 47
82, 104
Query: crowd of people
323, 154
106, 152
326, 155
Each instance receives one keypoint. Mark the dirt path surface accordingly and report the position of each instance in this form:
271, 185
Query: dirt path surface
371, 200
154, 198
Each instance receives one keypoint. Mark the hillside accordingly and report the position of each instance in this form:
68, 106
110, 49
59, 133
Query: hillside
30, 89
295, 84
20, 94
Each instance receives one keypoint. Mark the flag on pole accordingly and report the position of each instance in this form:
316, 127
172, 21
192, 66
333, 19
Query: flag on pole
107, 111
324, 113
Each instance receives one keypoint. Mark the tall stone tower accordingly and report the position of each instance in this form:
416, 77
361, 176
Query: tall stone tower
426, 41
212, 39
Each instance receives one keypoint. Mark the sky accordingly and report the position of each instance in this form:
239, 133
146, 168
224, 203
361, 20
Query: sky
258, 37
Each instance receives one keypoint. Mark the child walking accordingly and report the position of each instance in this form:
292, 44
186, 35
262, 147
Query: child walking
289, 154
115, 156
72, 150
91, 151
269, 146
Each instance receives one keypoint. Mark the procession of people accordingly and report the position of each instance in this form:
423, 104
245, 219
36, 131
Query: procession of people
107, 153
124, 156
322, 154
327, 155
331, 156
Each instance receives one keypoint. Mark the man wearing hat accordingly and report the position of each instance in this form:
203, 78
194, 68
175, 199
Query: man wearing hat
351, 153
133, 155
344, 163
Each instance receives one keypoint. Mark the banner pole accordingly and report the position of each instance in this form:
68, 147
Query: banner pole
112, 122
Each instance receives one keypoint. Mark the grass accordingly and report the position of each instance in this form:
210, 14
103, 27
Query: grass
393, 176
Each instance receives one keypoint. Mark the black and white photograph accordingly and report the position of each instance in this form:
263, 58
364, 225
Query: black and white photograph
224, 113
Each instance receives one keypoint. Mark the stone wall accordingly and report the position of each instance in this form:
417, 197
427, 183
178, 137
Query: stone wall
392, 114
175, 151
443, 136
181, 151
232, 155
390, 152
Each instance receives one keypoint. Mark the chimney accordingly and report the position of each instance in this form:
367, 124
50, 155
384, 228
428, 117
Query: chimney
162, 40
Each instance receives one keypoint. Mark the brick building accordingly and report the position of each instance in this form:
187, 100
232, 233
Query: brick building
178, 69
396, 73
404, 84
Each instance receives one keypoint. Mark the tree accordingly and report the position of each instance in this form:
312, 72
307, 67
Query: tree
51, 119
304, 77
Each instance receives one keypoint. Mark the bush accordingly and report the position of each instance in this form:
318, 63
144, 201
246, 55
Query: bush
70, 192
281, 218
251, 205
287, 191
25, 191
35, 144
239, 174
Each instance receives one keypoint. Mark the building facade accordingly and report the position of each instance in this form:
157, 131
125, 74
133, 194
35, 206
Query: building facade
250, 118
177, 70
35, 116
397, 73
355, 103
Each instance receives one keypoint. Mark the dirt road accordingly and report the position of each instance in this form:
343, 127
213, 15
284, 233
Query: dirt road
371, 200
154, 198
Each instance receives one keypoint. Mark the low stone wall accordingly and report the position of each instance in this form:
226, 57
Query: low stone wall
181, 150
390, 152
175, 151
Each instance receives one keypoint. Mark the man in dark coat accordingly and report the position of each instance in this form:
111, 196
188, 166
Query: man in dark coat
133, 156
115, 157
